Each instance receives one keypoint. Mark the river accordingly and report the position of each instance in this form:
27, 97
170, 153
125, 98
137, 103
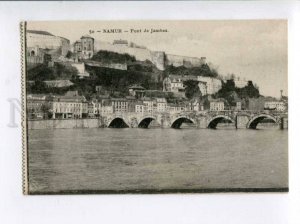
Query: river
99, 160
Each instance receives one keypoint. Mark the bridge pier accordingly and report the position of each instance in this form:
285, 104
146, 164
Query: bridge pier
202, 122
241, 121
164, 123
284, 123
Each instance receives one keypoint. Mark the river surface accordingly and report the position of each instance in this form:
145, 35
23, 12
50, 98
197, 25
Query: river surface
66, 160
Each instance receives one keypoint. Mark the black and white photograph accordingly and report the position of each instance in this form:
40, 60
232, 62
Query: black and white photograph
155, 106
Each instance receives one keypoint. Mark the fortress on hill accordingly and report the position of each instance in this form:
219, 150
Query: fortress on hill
42, 43
159, 58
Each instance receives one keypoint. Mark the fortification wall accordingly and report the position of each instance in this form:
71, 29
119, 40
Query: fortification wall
159, 58
118, 66
177, 60
63, 124
140, 54
35, 59
47, 42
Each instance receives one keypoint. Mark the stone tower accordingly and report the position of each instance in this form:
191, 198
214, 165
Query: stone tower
87, 47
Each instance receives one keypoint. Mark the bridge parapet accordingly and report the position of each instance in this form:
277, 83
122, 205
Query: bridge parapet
201, 119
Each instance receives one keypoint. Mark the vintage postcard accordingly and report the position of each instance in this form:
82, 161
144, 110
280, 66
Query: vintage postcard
154, 106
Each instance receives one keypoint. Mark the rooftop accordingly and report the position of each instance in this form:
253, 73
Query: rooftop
118, 99
120, 42
59, 83
39, 32
161, 100
105, 96
86, 36
183, 78
130, 97
70, 98
71, 93
37, 96
271, 99
64, 38
218, 100
136, 87
146, 99
139, 103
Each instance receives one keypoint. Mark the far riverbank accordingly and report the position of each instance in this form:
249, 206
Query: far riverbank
64, 123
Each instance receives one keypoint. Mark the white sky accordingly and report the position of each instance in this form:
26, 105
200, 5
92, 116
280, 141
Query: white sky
252, 49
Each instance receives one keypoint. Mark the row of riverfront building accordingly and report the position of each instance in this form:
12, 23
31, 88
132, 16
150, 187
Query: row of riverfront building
73, 105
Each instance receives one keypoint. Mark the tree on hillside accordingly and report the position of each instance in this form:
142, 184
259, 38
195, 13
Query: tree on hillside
227, 87
112, 57
141, 67
40, 73
251, 90
230, 92
38, 87
69, 54
203, 70
227, 91
63, 71
43, 72
192, 89
120, 80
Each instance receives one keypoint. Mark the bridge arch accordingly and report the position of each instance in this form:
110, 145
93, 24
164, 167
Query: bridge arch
257, 119
118, 122
145, 121
177, 122
213, 122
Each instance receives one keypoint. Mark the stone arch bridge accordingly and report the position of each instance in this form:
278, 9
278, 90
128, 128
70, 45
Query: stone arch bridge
207, 119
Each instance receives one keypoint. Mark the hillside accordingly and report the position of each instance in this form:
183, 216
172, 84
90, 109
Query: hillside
230, 92
112, 81
43, 72
203, 70
116, 82
112, 57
